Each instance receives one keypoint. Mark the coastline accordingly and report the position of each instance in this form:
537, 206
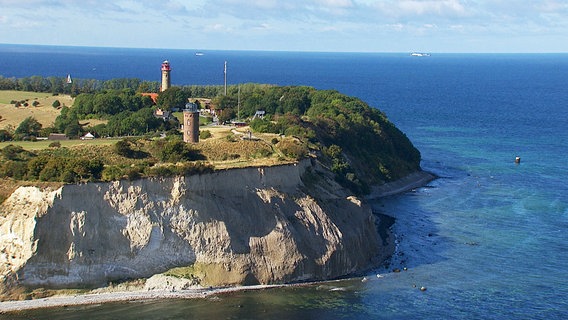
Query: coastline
414, 180
122, 296
407, 183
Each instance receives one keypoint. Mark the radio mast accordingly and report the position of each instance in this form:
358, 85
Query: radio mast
225, 77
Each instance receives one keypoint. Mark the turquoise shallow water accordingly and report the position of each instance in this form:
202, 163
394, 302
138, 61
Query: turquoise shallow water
489, 238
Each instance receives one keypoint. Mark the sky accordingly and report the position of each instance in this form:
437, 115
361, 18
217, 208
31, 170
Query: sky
491, 26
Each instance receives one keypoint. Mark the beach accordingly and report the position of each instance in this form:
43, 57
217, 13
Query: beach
123, 296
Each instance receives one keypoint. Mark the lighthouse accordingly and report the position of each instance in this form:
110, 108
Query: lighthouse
166, 82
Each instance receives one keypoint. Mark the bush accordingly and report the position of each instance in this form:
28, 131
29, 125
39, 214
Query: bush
160, 171
55, 144
122, 148
293, 149
176, 151
231, 138
56, 104
14, 169
204, 134
13, 152
5, 135
112, 173
133, 174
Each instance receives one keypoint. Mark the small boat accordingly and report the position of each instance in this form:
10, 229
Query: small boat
199, 54
420, 54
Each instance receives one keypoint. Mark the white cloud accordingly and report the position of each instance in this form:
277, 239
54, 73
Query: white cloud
406, 8
335, 3
284, 22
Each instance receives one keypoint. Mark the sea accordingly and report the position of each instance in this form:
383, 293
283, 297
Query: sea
488, 239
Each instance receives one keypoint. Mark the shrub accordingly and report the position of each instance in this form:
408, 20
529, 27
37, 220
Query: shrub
160, 171
13, 152
14, 169
133, 174
204, 134
175, 151
124, 148
293, 149
190, 168
231, 138
112, 173
53, 169
55, 144
5, 135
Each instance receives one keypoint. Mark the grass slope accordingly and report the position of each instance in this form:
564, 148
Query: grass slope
44, 112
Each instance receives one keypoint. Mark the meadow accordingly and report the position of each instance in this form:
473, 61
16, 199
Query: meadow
44, 112
44, 144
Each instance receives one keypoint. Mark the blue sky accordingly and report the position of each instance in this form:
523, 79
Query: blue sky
293, 25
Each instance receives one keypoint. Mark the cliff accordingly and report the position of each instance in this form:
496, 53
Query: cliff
238, 226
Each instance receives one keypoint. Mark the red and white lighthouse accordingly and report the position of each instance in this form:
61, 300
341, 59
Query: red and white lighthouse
166, 82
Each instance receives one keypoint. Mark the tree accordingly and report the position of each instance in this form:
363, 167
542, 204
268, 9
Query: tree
73, 130
28, 127
174, 97
5, 135
107, 104
226, 115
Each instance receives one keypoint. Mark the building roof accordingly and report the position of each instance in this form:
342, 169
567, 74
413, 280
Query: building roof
152, 95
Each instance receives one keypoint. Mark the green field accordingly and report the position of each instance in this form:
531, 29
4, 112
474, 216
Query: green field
43, 144
6, 96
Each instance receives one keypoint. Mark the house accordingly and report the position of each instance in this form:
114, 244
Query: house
57, 136
162, 114
259, 114
88, 136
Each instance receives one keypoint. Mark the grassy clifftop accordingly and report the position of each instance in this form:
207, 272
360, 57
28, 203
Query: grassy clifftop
355, 141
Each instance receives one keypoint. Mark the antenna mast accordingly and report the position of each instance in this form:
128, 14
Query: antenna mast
225, 77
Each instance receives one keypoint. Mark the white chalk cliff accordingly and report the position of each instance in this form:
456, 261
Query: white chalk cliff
238, 226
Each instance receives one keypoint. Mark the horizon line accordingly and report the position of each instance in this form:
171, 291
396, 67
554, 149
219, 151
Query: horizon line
274, 50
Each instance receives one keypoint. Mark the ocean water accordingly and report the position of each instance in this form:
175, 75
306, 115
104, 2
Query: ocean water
488, 239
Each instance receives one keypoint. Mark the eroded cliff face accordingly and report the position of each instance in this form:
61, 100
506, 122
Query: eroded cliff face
239, 226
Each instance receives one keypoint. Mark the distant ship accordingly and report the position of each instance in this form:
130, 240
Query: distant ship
420, 54
199, 53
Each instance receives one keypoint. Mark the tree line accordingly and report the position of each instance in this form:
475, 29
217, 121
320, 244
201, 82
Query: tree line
59, 85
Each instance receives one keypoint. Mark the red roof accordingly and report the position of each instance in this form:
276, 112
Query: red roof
153, 96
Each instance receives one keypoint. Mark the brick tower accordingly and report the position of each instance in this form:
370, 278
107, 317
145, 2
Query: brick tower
191, 123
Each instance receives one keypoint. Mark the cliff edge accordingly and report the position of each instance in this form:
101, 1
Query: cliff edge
246, 226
